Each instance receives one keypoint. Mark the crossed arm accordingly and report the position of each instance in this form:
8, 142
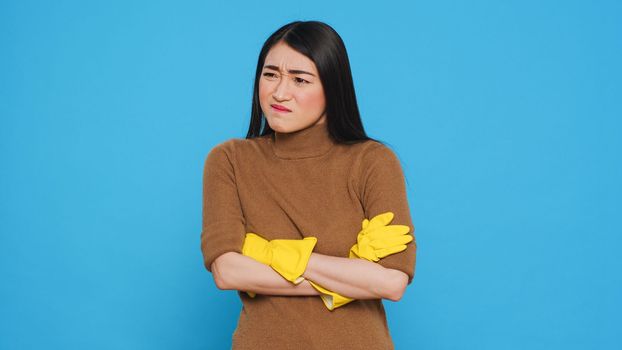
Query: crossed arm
355, 278
380, 183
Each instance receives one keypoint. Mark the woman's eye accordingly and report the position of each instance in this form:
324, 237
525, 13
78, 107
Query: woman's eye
273, 76
300, 81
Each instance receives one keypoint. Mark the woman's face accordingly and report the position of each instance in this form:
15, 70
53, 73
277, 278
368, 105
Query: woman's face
290, 79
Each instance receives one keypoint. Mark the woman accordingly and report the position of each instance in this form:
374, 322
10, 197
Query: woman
286, 211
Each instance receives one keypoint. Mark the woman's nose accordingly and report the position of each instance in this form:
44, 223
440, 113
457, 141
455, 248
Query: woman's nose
281, 92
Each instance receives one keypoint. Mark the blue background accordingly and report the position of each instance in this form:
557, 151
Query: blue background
505, 114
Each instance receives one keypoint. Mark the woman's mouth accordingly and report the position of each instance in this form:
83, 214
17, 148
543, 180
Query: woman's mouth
279, 108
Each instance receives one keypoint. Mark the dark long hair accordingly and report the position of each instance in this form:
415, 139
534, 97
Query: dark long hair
320, 43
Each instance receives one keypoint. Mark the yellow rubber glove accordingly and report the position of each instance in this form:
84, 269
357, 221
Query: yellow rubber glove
378, 239
331, 299
288, 257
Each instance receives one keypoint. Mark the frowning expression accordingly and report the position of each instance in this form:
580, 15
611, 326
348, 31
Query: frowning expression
290, 91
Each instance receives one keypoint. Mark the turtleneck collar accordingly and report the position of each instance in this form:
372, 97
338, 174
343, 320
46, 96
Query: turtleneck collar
312, 141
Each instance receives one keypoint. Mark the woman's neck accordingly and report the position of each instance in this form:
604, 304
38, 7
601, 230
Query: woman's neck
312, 141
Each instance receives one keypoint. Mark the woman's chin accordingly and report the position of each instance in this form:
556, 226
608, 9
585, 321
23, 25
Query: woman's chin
280, 125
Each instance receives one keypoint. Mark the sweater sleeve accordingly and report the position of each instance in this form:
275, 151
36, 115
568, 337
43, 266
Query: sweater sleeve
382, 189
223, 228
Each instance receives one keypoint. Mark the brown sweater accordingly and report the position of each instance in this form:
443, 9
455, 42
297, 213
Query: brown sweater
295, 185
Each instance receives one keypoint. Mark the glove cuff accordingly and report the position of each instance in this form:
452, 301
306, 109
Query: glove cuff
331, 299
354, 252
290, 257
256, 247
306, 248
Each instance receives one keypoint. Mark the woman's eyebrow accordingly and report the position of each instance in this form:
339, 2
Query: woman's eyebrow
293, 71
